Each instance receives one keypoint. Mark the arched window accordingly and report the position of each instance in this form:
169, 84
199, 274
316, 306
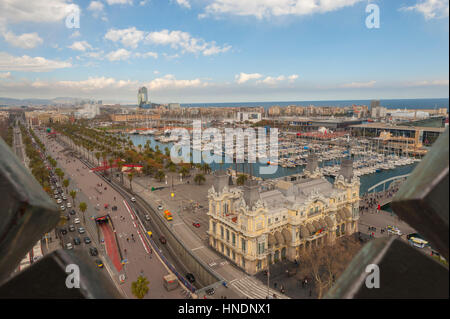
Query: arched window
343, 228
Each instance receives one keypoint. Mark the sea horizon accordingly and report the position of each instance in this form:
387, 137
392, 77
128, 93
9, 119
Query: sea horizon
419, 103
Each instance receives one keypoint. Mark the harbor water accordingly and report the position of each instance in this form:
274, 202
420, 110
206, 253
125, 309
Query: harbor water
366, 180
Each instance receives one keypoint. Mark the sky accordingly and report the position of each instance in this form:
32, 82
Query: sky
206, 51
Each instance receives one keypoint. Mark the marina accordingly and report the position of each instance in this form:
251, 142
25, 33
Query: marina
369, 165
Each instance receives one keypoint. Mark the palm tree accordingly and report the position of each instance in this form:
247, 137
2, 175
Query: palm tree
66, 183
83, 207
130, 177
97, 156
111, 162
139, 288
160, 175
241, 179
184, 171
73, 194
199, 179
206, 168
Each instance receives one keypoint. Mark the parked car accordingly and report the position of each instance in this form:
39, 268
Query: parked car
394, 230
210, 291
133, 199
190, 277
63, 207
163, 240
56, 196
63, 231
93, 251
69, 205
76, 220
68, 246
71, 228
77, 241
160, 207
72, 212
196, 224
81, 230
59, 201
87, 240
64, 197
147, 217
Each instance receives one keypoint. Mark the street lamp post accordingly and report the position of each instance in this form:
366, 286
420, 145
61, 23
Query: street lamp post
268, 272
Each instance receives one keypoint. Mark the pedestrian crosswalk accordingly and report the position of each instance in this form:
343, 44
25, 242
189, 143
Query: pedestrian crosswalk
253, 289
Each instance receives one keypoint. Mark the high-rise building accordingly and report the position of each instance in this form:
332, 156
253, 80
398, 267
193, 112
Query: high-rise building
374, 104
142, 96
174, 106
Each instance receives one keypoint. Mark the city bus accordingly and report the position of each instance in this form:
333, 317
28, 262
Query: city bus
417, 241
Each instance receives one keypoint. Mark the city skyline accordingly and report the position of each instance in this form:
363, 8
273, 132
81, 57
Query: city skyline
224, 50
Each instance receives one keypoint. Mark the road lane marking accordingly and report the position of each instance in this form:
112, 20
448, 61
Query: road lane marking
197, 248
142, 240
128, 209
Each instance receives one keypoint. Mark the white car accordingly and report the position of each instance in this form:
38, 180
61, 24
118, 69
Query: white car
69, 205
59, 201
64, 197
160, 207
133, 199
69, 246
76, 221
394, 230
63, 207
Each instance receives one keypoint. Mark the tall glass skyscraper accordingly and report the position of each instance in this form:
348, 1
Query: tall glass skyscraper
142, 97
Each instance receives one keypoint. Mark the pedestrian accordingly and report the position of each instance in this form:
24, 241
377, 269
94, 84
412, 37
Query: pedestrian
275, 285
310, 292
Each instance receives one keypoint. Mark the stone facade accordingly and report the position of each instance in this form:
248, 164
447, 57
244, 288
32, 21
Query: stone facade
259, 224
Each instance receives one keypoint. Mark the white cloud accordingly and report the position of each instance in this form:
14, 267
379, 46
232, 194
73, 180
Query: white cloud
128, 37
32, 64
96, 6
147, 54
6, 75
25, 40
359, 85
143, 2
170, 82
272, 80
268, 8
95, 55
184, 41
97, 9
292, 77
75, 34
428, 83
16, 11
184, 3
118, 55
244, 77
111, 2
80, 46
431, 9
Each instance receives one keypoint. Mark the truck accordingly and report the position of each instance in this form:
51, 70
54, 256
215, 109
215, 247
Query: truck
167, 215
